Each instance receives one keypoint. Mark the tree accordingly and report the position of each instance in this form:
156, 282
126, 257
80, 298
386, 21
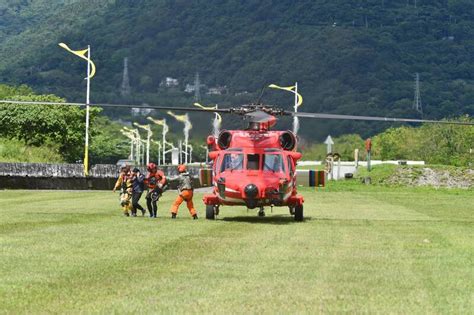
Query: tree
37, 125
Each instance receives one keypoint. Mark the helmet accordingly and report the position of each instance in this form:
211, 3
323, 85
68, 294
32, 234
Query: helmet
151, 166
181, 168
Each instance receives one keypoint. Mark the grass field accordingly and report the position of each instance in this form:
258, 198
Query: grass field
360, 249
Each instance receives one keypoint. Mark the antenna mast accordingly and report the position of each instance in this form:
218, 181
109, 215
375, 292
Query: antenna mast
125, 88
197, 88
417, 101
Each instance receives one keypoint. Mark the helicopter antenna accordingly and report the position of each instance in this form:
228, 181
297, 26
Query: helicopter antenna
261, 94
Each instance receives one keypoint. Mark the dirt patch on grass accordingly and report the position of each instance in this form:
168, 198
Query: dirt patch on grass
427, 176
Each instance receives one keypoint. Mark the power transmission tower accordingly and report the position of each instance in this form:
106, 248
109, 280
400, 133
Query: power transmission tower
125, 88
417, 101
197, 88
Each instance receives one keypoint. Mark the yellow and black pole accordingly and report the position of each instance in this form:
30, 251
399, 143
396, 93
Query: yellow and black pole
90, 74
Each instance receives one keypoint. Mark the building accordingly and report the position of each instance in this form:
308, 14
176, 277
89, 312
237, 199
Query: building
217, 90
138, 111
189, 88
169, 82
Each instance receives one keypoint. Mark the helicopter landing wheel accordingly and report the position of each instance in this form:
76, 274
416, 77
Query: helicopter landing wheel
292, 210
210, 214
261, 212
299, 213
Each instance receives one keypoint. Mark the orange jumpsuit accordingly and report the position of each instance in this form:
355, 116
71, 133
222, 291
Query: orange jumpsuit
185, 190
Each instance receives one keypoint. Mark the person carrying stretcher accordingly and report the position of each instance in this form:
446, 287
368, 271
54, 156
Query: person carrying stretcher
124, 183
185, 190
156, 183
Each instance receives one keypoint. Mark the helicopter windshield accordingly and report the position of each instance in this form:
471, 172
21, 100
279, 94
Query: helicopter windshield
273, 162
253, 161
232, 161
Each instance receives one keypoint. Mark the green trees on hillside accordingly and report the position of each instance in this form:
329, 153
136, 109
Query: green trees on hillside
59, 127
432, 143
435, 144
348, 56
39, 125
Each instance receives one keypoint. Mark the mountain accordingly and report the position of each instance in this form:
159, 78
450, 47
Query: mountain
349, 57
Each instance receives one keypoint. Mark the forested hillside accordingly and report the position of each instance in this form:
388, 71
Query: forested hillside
351, 57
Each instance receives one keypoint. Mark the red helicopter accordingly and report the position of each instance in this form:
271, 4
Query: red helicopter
254, 167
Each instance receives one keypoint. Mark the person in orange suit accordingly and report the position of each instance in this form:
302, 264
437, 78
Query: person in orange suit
185, 190
156, 182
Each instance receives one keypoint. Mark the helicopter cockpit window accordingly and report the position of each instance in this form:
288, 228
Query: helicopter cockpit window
273, 162
290, 166
253, 161
232, 161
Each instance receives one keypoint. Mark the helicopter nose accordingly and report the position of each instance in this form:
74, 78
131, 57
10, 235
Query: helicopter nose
251, 191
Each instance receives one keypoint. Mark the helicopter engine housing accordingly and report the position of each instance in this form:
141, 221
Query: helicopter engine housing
287, 140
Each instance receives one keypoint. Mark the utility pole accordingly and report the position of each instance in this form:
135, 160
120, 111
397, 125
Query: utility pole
417, 100
158, 143
125, 88
147, 128
138, 144
131, 136
90, 74
165, 143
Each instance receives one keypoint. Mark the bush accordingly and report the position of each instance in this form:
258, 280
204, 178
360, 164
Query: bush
17, 151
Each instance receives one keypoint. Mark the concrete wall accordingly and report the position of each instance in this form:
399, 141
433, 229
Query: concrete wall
71, 176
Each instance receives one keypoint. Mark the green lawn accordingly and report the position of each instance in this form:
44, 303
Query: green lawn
361, 249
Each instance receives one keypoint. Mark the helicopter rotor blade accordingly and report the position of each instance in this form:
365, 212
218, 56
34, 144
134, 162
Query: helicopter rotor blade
187, 109
255, 114
375, 118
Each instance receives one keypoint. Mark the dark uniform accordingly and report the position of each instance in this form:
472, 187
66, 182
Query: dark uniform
138, 186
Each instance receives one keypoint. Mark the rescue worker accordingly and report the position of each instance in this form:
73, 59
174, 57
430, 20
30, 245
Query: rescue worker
185, 190
138, 183
155, 181
124, 183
